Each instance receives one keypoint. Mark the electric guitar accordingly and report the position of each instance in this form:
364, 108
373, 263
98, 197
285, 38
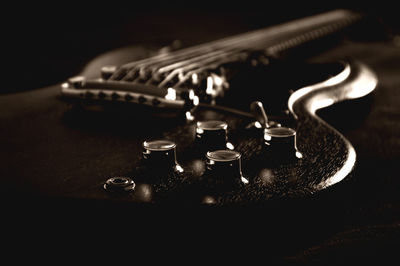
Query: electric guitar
230, 122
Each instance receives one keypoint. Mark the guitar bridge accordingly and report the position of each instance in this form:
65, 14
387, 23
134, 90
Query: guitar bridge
100, 90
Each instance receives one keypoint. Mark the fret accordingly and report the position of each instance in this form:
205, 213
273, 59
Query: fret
308, 36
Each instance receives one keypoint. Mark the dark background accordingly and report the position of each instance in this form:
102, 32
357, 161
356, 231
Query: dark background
45, 43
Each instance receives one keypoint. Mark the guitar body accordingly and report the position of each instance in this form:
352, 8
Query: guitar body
69, 151
74, 150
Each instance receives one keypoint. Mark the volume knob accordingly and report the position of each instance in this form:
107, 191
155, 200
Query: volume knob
281, 143
225, 168
161, 154
212, 135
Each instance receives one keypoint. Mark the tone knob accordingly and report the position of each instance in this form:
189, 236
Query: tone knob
161, 154
212, 135
281, 143
224, 167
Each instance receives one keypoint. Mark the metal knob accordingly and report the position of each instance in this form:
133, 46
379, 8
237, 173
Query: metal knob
212, 135
161, 154
119, 185
281, 143
225, 167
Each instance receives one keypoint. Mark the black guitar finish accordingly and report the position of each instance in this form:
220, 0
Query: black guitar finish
75, 150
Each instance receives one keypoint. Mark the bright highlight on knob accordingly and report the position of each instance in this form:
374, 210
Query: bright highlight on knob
161, 155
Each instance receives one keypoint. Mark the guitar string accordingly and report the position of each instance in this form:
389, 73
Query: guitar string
173, 56
157, 62
305, 22
155, 75
219, 54
236, 44
201, 65
232, 41
232, 45
246, 37
195, 64
308, 36
288, 43
281, 46
156, 72
236, 50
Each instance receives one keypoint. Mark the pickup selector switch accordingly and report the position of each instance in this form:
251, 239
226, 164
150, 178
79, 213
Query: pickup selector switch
161, 154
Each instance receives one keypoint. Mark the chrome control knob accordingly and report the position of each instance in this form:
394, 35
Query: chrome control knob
119, 185
212, 135
281, 143
224, 167
160, 154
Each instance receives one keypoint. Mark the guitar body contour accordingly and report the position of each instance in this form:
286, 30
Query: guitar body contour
97, 137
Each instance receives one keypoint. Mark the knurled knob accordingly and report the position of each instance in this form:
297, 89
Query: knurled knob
225, 167
119, 185
160, 154
212, 135
281, 143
